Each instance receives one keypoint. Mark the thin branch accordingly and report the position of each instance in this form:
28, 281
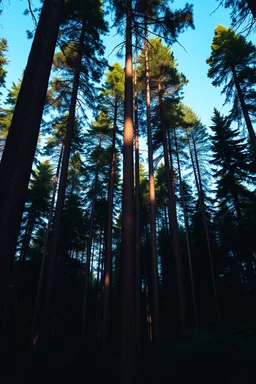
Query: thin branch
220, 4
32, 13
123, 42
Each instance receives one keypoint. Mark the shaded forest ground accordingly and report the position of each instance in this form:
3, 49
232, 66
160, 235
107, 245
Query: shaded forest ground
224, 355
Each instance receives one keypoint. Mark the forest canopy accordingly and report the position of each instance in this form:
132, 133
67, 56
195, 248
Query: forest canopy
127, 246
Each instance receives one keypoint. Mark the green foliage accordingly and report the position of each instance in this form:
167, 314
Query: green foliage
7, 113
162, 68
231, 167
3, 61
37, 206
241, 14
232, 52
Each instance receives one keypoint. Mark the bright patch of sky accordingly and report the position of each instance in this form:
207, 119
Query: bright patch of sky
199, 94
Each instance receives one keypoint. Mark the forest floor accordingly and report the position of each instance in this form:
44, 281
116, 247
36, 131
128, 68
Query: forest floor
226, 355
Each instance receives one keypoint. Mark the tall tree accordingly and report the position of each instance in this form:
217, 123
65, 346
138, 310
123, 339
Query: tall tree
114, 100
231, 62
21, 142
196, 134
232, 172
124, 9
164, 79
73, 59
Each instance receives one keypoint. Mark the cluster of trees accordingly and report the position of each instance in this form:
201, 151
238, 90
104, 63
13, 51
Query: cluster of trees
92, 260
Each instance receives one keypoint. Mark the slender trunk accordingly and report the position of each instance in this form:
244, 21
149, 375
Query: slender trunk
98, 304
137, 221
252, 6
26, 240
193, 164
244, 109
206, 228
52, 257
101, 284
41, 275
173, 220
165, 217
152, 202
20, 146
108, 257
185, 214
94, 236
127, 358
146, 290
89, 251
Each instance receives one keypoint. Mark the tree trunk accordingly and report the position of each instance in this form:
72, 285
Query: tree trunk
244, 109
89, 251
137, 222
21, 142
185, 214
152, 202
108, 257
27, 237
98, 303
41, 276
252, 6
52, 257
127, 358
173, 219
206, 228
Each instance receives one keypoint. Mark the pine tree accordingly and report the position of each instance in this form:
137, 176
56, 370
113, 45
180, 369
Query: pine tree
113, 100
240, 10
232, 172
3, 61
21, 142
232, 63
6, 114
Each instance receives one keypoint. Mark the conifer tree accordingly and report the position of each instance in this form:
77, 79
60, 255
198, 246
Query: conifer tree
232, 172
232, 63
23, 134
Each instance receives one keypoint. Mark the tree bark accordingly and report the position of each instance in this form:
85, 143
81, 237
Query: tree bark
27, 237
173, 219
244, 109
19, 151
108, 257
185, 215
40, 281
52, 257
252, 6
127, 358
152, 202
137, 221
206, 228
89, 251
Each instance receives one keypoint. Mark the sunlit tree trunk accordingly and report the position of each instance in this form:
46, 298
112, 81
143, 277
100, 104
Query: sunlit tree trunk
20, 146
155, 293
127, 357
137, 221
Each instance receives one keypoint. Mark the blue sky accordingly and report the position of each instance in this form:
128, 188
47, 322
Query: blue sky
200, 95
